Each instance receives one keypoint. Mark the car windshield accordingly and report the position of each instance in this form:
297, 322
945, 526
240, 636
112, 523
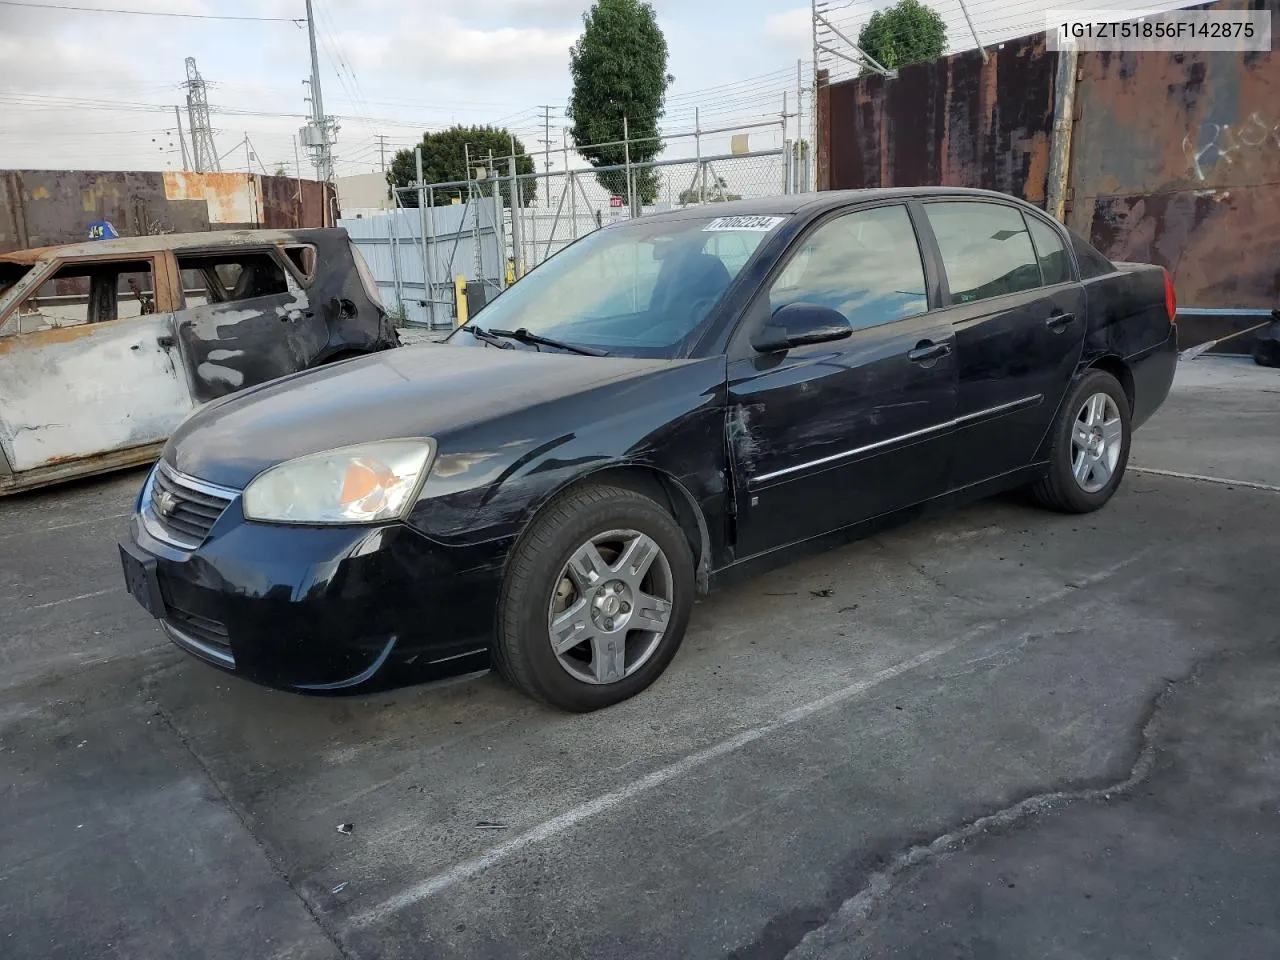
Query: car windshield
642, 289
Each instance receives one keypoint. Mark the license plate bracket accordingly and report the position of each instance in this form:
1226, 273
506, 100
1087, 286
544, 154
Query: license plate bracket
141, 578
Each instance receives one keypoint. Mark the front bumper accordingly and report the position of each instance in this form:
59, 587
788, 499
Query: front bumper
321, 608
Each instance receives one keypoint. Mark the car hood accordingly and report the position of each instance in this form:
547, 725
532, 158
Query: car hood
427, 390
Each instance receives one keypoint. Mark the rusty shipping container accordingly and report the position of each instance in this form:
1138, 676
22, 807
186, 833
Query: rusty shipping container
1175, 160
954, 121
45, 207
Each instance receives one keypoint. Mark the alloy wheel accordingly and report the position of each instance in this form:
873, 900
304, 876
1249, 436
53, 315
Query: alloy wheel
610, 606
1097, 436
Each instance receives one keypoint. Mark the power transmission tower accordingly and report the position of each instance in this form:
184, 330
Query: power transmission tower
546, 152
204, 153
321, 132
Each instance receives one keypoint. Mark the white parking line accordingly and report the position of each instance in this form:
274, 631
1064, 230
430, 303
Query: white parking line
1251, 484
575, 815
83, 596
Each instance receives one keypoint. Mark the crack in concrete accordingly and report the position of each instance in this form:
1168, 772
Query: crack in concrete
877, 887
168, 721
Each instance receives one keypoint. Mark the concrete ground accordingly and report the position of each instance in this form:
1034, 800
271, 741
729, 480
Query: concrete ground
1001, 733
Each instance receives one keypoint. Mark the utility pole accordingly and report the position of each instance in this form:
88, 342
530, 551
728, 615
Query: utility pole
974, 30
319, 135
177, 115
204, 154
546, 153
382, 152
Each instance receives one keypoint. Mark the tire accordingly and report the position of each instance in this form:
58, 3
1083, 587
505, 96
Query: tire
542, 594
1060, 489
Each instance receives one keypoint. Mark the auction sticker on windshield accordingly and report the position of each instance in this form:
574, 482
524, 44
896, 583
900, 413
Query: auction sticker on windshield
762, 224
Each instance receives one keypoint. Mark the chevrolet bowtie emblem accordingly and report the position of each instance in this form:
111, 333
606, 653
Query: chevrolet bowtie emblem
164, 502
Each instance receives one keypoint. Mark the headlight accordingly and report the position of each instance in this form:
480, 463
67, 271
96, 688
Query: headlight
365, 483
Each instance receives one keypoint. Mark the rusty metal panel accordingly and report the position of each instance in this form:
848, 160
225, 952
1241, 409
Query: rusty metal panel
46, 207
1176, 161
953, 121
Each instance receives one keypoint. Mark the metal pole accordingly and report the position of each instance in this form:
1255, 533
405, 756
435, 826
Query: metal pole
626, 154
517, 240
1064, 98
697, 149
571, 184
432, 257
423, 214
546, 155
787, 171
393, 237
297, 169
177, 115
974, 31
498, 232
324, 167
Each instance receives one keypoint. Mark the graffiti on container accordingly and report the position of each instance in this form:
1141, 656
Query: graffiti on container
1220, 141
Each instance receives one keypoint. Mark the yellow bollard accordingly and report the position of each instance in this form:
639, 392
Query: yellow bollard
460, 294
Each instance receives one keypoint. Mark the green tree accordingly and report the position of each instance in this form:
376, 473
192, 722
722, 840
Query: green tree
907, 32
619, 69
444, 160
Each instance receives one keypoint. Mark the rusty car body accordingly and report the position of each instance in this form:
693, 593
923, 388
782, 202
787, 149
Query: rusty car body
105, 346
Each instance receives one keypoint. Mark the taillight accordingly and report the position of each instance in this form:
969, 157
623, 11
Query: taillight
1170, 298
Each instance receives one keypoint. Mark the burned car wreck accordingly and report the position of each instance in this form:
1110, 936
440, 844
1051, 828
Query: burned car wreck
105, 346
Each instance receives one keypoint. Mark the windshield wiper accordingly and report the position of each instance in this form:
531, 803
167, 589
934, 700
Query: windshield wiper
481, 334
524, 336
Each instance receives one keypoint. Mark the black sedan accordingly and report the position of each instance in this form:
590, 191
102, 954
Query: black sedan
669, 404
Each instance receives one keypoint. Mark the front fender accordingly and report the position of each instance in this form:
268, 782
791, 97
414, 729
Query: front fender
487, 485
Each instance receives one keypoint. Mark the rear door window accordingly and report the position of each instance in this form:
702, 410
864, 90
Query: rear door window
1049, 251
986, 249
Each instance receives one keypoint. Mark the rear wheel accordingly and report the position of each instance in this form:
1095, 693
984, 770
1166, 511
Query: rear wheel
1090, 449
596, 599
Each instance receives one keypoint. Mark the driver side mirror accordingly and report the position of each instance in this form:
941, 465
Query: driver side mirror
797, 324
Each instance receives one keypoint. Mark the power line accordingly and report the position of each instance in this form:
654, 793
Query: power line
147, 13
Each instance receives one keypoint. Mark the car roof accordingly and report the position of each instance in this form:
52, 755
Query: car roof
815, 203
167, 241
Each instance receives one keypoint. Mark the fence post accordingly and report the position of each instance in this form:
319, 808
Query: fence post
697, 150
787, 168
513, 193
393, 237
499, 234
427, 294
571, 183
626, 159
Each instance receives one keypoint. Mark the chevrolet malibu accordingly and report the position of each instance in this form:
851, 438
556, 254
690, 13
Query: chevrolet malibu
667, 405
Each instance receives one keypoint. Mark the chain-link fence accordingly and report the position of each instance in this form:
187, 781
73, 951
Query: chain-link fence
506, 229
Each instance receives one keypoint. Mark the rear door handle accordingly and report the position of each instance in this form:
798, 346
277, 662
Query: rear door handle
927, 351
1059, 321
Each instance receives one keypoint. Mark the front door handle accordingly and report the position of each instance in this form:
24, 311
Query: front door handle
927, 351
1059, 321
166, 341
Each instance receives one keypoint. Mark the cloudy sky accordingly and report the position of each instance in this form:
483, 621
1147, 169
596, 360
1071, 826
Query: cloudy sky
94, 90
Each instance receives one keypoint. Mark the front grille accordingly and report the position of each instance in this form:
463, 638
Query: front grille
202, 636
182, 510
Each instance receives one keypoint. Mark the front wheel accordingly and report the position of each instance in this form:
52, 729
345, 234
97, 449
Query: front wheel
596, 599
1090, 446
